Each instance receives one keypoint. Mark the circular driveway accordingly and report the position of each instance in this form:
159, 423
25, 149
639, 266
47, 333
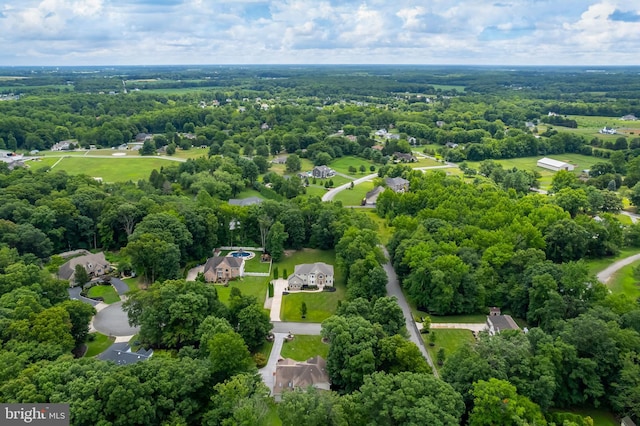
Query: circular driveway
113, 321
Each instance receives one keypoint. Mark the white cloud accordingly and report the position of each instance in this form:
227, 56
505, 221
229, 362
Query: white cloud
312, 31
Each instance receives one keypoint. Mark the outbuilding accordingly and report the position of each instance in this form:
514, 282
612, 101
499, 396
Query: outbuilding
555, 165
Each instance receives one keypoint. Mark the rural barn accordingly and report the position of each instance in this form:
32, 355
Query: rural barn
555, 165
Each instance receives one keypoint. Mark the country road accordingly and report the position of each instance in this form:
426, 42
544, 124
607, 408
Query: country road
606, 274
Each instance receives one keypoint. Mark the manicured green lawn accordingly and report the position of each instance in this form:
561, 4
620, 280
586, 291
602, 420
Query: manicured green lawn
247, 192
597, 265
425, 162
320, 306
42, 163
254, 265
625, 282
113, 169
194, 152
107, 293
316, 191
251, 286
265, 349
99, 345
342, 164
353, 197
302, 347
624, 219
450, 340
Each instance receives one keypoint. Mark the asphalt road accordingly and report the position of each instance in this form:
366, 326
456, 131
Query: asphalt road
74, 294
305, 328
393, 289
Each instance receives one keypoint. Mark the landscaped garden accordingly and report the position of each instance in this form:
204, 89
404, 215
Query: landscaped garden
106, 292
303, 347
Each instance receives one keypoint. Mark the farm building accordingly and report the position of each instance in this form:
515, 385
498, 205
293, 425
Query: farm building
555, 165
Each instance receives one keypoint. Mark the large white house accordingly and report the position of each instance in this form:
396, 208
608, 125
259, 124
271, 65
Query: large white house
311, 274
555, 165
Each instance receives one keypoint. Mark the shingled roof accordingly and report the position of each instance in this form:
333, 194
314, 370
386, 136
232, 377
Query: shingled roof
291, 374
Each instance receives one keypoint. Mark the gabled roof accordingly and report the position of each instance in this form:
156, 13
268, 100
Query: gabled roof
503, 322
89, 261
291, 374
314, 268
322, 168
121, 354
552, 162
214, 262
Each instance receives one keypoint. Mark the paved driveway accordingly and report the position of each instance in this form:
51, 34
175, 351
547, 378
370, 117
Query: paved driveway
120, 286
74, 294
304, 328
113, 321
268, 372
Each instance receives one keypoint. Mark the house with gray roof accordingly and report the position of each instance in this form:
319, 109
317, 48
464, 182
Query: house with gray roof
322, 172
121, 354
223, 268
95, 264
291, 374
397, 184
496, 322
311, 274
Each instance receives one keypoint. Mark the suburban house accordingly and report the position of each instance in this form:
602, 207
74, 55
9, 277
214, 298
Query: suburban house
371, 197
381, 132
555, 165
404, 158
322, 172
61, 146
629, 117
311, 274
95, 264
291, 374
223, 268
121, 354
279, 160
141, 137
397, 184
496, 322
11, 159
249, 201
608, 131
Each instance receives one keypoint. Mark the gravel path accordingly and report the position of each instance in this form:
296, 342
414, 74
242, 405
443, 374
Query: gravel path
606, 274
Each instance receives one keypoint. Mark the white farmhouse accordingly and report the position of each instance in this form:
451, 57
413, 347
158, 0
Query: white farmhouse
555, 165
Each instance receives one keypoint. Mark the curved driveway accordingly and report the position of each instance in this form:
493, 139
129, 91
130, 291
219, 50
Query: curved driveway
113, 321
605, 275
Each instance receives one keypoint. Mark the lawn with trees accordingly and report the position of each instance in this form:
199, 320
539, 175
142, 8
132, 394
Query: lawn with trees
460, 241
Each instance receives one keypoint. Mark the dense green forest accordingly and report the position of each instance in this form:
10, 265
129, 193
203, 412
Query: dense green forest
459, 243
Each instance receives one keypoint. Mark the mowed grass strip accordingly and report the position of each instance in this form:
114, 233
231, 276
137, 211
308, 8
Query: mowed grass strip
450, 340
354, 197
107, 293
303, 347
98, 345
112, 169
249, 286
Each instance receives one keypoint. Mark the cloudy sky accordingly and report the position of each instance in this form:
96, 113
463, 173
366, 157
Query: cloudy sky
146, 32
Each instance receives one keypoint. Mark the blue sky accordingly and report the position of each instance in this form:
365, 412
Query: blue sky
147, 32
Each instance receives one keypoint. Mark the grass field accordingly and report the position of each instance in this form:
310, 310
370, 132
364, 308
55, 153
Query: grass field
448, 87
625, 282
281, 169
450, 340
41, 163
302, 347
385, 232
247, 192
320, 306
425, 162
342, 164
353, 197
99, 345
107, 293
109, 169
251, 286
133, 283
